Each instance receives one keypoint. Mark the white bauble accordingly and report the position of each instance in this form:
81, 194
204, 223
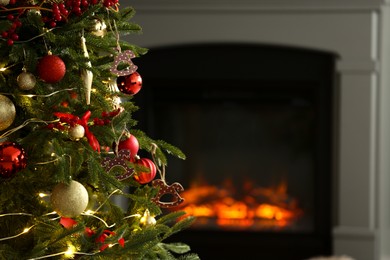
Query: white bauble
7, 112
76, 132
69, 200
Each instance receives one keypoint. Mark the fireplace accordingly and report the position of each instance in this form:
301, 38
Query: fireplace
358, 32
256, 124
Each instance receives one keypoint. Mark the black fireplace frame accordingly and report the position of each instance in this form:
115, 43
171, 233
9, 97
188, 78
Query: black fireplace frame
262, 63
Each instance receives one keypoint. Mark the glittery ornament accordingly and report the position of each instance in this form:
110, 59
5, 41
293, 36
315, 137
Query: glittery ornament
130, 84
26, 80
4, 2
51, 69
12, 159
7, 112
145, 177
69, 200
76, 132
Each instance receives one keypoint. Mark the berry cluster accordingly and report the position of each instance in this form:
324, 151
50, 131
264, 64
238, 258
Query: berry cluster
106, 117
109, 3
59, 13
11, 34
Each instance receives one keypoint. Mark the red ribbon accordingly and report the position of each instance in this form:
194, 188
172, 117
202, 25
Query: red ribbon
93, 142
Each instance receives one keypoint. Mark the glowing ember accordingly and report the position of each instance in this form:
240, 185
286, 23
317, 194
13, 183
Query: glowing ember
258, 208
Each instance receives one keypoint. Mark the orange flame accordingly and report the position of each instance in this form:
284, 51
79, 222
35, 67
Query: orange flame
259, 204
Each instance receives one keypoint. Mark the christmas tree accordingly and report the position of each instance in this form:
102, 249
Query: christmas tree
69, 144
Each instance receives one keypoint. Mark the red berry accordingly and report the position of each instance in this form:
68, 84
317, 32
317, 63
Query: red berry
12, 2
4, 34
15, 37
10, 42
10, 17
18, 23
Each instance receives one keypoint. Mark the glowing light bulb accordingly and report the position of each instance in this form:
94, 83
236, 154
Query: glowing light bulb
42, 195
89, 212
70, 252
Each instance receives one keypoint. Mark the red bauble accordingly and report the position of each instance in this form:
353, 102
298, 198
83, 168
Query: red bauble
130, 84
145, 177
131, 144
51, 68
12, 159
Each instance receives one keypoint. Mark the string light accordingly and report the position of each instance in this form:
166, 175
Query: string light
109, 196
132, 216
16, 214
28, 121
90, 214
26, 230
48, 95
69, 253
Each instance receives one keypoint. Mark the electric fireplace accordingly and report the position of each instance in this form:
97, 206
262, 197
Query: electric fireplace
255, 122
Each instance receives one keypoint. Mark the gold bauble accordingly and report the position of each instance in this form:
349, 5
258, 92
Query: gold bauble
100, 28
26, 80
69, 200
7, 112
4, 2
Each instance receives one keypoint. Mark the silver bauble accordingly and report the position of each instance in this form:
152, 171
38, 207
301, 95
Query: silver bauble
26, 80
76, 132
69, 200
7, 112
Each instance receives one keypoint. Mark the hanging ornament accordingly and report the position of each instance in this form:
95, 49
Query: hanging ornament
51, 68
130, 84
147, 219
100, 28
86, 75
130, 143
12, 159
121, 160
26, 80
4, 2
164, 189
124, 58
145, 177
69, 200
76, 132
7, 112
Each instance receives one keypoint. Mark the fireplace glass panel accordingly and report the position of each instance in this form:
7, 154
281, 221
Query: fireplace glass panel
250, 150
256, 123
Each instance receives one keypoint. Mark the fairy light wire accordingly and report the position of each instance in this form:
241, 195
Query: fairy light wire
25, 123
26, 230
